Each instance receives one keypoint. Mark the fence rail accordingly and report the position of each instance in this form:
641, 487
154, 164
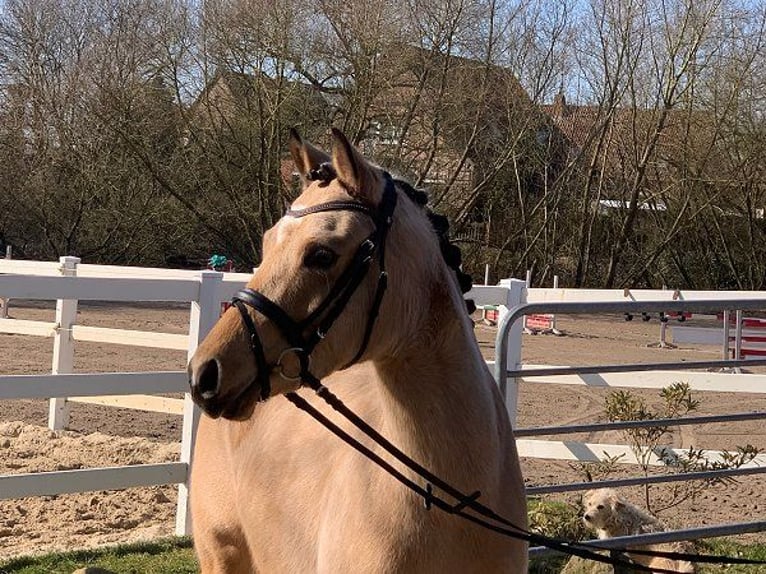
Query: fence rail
623, 425
622, 454
170, 341
642, 480
26, 327
715, 382
88, 479
633, 367
99, 288
91, 384
663, 537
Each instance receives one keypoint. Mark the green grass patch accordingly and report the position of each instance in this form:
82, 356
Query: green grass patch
172, 556
726, 547
556, 519
175, 556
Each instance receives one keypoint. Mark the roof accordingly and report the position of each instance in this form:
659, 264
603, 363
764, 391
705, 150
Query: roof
228, 89
576, 123
630, 130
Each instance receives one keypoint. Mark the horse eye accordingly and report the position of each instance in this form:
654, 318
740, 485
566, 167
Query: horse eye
320, 258
600, 507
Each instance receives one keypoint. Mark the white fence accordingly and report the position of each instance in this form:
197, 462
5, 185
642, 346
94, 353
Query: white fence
68, 282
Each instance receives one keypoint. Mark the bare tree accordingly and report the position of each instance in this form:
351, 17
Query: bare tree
154, 131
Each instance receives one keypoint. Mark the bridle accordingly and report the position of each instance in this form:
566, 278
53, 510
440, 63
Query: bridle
322, 318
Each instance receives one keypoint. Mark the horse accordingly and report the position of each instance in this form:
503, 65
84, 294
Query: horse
271, 490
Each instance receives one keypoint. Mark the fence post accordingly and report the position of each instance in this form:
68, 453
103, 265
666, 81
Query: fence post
204, 314
516, 295
622, 567
3, 301
63, 346
554, 329
738, 334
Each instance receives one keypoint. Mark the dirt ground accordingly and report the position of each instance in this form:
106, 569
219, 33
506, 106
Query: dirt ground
102, 436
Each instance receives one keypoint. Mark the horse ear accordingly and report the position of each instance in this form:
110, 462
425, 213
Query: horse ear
306, 156
356, 174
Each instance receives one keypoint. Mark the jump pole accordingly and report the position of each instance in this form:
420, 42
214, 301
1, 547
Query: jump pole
544, 324
663, 342
527, 284
554, 330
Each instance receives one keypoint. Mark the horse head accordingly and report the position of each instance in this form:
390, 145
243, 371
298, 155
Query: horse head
316, 304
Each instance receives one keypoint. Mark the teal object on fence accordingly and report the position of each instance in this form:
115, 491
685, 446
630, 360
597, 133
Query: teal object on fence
217, 261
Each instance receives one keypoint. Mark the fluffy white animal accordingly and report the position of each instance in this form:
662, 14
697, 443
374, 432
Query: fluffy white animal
610, 515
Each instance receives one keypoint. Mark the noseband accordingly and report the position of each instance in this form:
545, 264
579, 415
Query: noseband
321, 319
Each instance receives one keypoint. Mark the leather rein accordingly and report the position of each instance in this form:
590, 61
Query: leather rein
318, 323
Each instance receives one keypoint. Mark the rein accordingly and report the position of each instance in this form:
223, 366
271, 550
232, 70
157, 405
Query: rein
321, 319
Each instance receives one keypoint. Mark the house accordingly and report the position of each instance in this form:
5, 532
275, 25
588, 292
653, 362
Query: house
463, 129
445, 119
634, 153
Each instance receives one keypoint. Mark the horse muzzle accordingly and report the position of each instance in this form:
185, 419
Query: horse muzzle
207, 392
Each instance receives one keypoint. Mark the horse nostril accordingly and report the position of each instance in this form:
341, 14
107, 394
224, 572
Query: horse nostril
208, 383
587, 517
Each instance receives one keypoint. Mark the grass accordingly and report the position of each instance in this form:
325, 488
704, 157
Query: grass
175, 556
725, 547
172, 556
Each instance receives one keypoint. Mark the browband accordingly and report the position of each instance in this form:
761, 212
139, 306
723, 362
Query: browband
332, 206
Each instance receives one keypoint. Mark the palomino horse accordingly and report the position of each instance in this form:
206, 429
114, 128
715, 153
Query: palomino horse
271, 490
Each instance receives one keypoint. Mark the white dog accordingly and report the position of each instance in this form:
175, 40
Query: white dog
610, 515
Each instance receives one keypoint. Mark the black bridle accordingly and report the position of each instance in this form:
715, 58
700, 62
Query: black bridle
321, 319
318, 323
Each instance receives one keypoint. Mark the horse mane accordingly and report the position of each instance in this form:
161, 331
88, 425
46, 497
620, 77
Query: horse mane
453, 257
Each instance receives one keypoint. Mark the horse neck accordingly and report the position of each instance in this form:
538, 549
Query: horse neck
437, 396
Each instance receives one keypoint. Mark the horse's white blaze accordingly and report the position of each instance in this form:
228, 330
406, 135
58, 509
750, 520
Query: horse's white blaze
284, 227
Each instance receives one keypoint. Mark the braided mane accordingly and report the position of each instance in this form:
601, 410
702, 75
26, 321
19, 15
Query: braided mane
451, 252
